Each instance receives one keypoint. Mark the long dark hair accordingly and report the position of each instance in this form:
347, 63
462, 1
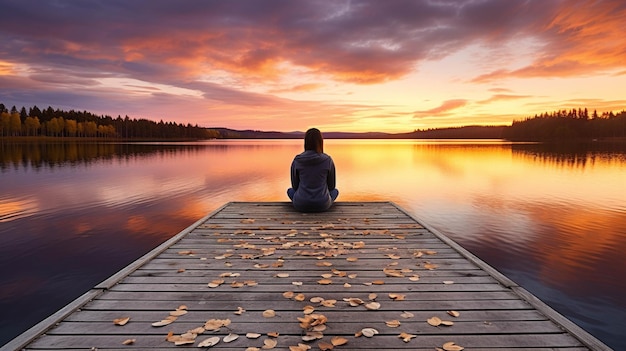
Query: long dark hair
313, 140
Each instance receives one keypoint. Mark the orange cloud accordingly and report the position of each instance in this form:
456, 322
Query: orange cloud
441, 110
583, 38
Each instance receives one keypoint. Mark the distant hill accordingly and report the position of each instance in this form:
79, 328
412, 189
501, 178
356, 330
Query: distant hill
468, 132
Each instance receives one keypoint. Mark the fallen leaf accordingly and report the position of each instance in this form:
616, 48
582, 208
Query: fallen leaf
121, 321
453, 313
393, 323
369, 332
269, 313
451, 346
178, 313
325, 346
300, 347
329, 303
247, 221
253, 335
434, 321
372, 305
372, 296
129, 341
162, 323
269, 344
308, 309
414, 278
282, 275
448, 282
253, 349
324, 281
447, 323
299, 297
230, 337
430, 266
406, 337
289, 294
273, 334
406, 314
397, 297
338, 340
316, 299
352, 259
209, 342
347, 285
378, 282
296, 283
215, 283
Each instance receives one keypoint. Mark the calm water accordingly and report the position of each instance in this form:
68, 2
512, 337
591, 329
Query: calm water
553, 219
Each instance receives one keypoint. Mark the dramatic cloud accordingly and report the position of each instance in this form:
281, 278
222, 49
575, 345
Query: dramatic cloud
219, 55
442, 110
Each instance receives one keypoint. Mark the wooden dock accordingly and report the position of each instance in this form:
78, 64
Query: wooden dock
362, 276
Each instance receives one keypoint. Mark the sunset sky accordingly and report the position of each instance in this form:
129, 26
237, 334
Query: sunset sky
287, 65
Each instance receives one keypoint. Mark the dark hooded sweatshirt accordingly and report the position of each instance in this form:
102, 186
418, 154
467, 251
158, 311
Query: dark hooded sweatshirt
312, 176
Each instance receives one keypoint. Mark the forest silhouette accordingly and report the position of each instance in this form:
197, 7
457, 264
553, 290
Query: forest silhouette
561, 125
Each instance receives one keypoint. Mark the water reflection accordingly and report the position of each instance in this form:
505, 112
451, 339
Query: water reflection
552, 219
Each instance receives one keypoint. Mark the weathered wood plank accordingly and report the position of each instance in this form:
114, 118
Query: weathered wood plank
363, 248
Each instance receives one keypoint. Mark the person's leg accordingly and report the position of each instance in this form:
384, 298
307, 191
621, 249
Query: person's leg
290, 193
333, 194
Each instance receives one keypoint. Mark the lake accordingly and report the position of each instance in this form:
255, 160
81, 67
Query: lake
550, 217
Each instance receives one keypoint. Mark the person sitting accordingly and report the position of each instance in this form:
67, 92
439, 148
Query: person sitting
313, 176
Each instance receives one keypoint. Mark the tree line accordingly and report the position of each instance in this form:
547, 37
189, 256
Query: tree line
574, 124
59, 123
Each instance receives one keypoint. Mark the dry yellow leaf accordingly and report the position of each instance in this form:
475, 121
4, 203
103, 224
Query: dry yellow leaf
447, 323
289, 294
323, 264
430, 266
230, 337
253, 335
406, 314
352, 259
325, 346
208, 342
397, 297
282, 275
338, 340
369, 332
451, 346
378, 282
273, 334
181, 270
121, 321
178, 313
261, 265
269, 313
299, 297
406, 337
434, 321
129, 341
300, 347
393, 323
308, 309
269, 344
347, 285
247, 221
296, 283
448, 282
316, 299
372, 305
253, 349
324, 281
352, 276
236, 284
414, 278
215, 283
162, 323
453, 313
329, 303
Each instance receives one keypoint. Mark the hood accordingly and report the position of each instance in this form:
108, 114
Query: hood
311, 157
